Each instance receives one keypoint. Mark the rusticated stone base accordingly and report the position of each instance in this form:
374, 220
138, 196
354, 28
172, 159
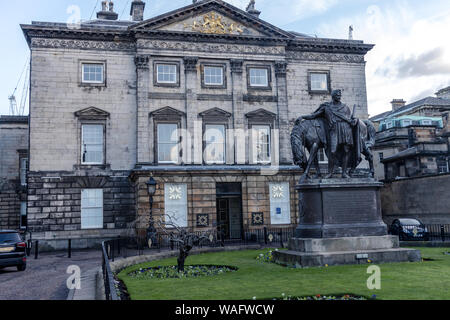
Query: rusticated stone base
346, 250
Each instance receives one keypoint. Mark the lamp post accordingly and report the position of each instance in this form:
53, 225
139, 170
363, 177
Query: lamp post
151, 231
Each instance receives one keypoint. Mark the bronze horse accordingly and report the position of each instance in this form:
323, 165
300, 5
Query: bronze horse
311, 135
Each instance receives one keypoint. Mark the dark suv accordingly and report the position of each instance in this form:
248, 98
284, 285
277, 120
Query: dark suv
409, 230
12, 250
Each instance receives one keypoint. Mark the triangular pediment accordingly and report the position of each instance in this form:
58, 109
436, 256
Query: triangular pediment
215, 113
211, 17
261, 114
92, 113
167, 112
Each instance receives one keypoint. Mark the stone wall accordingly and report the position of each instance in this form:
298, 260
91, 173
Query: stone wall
201, 188
13, 137
425, 198
54, 204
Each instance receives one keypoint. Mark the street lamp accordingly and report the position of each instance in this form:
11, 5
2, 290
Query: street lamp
151, 231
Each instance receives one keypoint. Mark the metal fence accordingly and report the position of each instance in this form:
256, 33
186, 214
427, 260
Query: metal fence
128, 247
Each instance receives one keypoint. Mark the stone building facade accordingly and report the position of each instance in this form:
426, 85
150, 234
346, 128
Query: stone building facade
203, 99
13, 168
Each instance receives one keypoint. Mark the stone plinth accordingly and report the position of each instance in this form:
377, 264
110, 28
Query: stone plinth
349, 250
335, 208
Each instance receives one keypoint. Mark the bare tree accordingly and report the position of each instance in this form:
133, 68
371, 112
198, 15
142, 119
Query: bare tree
186, 240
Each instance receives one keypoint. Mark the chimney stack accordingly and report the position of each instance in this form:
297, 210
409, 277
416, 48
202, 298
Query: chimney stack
137, 10
106, 14
397, 104
252, 10
443, 93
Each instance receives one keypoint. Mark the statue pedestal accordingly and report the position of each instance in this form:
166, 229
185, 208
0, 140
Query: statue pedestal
341, 223
340, 208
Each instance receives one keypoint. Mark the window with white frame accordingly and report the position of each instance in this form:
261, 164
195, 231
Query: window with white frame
168, 139
426, 122
92, 137
406, 123
92, 209
213, 75
280, 209
261, 144
166, 73
259, 77
175, 204
23, 215
389, 124
318, 81
23, 171
214, 144
93, 73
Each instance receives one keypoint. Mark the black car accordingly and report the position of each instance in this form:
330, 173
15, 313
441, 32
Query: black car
409, 230
12, 250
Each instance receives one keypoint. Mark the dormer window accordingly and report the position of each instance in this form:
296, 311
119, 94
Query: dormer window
406, 123
427, 122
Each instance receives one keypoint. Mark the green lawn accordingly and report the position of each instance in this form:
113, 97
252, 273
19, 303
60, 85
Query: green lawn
422, 280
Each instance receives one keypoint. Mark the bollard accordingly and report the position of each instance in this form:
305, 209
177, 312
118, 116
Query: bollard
443, 233
36, 249
29, 247
69, 248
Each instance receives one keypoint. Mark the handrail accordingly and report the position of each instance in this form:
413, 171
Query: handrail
108, 277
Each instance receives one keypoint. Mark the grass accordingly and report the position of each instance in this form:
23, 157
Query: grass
425, 280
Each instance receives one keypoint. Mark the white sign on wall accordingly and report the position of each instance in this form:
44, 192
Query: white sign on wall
175, 198
280, 208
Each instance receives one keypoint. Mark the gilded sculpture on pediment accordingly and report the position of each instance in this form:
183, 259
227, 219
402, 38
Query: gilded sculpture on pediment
213, 23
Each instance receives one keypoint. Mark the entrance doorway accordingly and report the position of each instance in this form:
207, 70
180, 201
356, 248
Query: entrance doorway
229, 210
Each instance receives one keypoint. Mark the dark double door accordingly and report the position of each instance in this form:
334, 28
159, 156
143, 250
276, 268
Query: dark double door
229, 211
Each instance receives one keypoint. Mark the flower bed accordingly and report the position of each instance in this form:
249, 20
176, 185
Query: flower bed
171, 272
319, 297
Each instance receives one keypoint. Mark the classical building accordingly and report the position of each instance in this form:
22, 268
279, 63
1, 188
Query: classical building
13, 169
202, 99
410, 139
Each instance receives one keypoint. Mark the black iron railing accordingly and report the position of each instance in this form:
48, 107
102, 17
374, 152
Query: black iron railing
108, 276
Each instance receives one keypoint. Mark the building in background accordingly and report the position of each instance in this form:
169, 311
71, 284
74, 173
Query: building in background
202, 98
13, 172
409, 140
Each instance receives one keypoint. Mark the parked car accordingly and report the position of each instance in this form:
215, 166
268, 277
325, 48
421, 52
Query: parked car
409, 230
12, 250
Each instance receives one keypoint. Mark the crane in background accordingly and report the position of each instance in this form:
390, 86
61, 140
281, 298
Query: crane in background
19, 109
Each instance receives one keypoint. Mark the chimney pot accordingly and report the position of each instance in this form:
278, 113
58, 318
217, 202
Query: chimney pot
252, 10
106, 14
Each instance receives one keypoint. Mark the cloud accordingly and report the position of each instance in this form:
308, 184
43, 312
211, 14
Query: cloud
410, 55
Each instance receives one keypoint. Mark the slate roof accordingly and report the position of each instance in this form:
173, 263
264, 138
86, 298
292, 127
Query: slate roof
428, 101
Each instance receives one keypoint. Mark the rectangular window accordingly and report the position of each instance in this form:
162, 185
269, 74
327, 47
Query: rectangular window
175, 202
319, 81
92, 144
280, 209
389, 124
23, 215
168, 139
93, 73
23, 171
259, 77
166, 73
406, 123
427, 122
261, 144
381, 156
92, 209
213, 76
214, 144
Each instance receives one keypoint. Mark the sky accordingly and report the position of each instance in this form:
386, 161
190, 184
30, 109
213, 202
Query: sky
411, 59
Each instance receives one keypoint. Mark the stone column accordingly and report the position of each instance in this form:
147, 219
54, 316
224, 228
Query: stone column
189, 144
283, 114
238, 116
143, 108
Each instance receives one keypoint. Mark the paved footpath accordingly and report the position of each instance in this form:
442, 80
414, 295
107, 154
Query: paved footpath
45, 278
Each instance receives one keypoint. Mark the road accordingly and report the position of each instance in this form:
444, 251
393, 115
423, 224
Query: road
45, 278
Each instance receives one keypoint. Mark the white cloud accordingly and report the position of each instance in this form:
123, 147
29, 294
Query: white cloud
410, 57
